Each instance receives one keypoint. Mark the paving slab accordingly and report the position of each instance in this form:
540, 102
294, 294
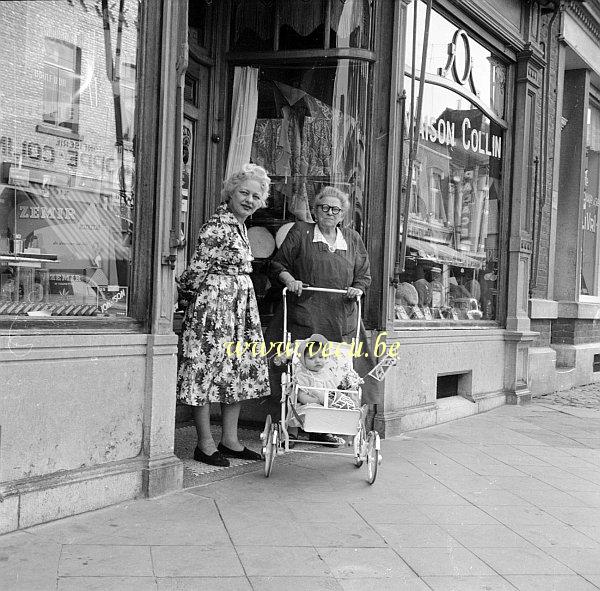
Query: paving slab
283, 562
353, 563
89, 560
415, 536
304, 583
452, 561
196, 561
485, 583
551, 583
107, 584
203, 584
526, 561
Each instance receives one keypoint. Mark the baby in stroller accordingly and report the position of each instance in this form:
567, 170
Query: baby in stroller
317, 369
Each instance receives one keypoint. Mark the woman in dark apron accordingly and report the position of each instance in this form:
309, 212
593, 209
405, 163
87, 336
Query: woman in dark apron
323, 254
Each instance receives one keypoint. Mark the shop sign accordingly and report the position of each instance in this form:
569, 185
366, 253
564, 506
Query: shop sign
441, 131
462, 71
46, 213
18, 176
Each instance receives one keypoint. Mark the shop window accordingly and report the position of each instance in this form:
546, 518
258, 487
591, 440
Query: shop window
61, 74
456, 193
310, 132
66, 203
591, 194
262, 25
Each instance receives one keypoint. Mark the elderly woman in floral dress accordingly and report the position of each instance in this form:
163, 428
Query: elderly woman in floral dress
221, 309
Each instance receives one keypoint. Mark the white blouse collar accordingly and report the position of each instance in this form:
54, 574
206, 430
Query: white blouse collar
340, 241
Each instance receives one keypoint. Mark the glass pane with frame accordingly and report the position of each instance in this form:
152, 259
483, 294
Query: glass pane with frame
310, 133
67, 164
591, 194
456, 191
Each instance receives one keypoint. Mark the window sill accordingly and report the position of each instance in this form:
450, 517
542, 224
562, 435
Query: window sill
58, 131
587, 308
68, 324
444, 324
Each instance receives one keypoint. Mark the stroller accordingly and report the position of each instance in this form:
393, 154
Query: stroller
315, 418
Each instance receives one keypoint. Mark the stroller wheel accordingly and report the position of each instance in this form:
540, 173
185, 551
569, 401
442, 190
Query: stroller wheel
359, 442
265, 432
373, 456
270, 449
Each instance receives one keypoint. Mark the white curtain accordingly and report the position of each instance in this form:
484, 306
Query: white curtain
244, 105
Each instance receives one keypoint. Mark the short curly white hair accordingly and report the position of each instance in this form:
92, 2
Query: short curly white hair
247, 172
342, 197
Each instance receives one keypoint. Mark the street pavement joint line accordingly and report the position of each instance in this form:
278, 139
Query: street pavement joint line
558, 410
58, 564
368, 524
152, 563
231, 541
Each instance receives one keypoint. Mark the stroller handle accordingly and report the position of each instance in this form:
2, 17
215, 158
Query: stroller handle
324, 290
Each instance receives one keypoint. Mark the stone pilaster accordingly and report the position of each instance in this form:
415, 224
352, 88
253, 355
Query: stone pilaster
522, 208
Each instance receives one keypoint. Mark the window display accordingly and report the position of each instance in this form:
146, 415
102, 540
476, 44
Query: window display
309, 133
453, 233
591, 193
67, 102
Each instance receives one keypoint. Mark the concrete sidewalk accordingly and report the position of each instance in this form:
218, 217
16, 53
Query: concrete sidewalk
505, 500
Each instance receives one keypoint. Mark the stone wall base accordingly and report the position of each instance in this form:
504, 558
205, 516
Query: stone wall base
561, 367
33, 501
434, 413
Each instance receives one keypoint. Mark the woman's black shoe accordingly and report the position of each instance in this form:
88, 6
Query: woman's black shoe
244, 454
216, 459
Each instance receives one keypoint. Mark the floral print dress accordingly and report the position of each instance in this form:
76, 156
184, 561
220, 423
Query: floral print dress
221, 312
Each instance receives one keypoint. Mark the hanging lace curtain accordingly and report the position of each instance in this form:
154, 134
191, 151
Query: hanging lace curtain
593, 129
303, 16
244, 105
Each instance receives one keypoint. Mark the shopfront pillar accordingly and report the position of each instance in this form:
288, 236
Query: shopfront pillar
164, 471
525, 179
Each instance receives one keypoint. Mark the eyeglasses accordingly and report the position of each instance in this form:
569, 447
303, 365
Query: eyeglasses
329, 208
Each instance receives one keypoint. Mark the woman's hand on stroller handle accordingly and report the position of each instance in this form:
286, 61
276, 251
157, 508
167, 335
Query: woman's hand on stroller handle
354, 292
296, 287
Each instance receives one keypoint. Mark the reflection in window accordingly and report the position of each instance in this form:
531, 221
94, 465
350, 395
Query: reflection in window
453, 236
66, 204
488, 73
591, 193
128, 100
62, 69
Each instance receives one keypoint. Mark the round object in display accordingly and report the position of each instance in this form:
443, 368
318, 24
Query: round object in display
406, 295
282, 233
262, 243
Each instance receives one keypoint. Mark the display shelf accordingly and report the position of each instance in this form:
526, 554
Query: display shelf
23, 259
